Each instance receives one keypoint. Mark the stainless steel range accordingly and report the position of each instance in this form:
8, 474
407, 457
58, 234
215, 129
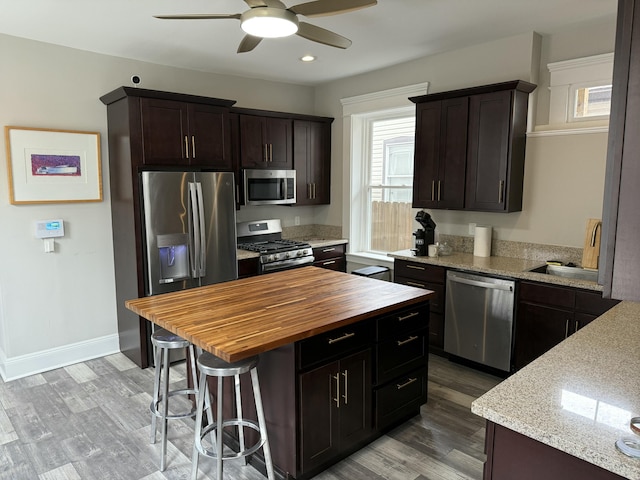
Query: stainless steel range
265, 237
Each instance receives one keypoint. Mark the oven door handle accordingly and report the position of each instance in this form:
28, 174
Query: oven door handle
294, 262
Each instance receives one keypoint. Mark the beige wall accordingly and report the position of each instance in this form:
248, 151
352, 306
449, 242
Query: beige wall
59, 308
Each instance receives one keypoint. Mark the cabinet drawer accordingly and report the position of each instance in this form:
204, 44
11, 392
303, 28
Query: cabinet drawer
547, 295
593, 303
400, 399
436, 302
330, 251
403, 353
402, 322
421, 272
334, 343
338, 264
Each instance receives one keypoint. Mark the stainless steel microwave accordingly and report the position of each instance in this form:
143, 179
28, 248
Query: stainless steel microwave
269, 187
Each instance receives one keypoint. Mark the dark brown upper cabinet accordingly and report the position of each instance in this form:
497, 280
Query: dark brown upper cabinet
619, 256
312, 161
266, 142
470, 148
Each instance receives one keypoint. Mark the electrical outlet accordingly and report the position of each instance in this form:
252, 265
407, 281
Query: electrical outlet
472, 229
296, 220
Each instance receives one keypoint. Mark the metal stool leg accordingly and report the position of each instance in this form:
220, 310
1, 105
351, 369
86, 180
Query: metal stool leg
263, 424
202, 393
156, 390
165, 409
239, 414
219, 444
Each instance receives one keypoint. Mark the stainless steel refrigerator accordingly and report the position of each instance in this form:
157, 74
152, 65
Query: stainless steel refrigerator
189, 225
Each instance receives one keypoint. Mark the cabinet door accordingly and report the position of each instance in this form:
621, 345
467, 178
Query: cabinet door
209, 137
319, 415
488, 151
355, 399
538, 329
164, 132
312, 162
253, 153
440, 154
279, 139
426, 154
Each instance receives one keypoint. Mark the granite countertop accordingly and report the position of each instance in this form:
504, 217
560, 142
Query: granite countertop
501, 266
579, 396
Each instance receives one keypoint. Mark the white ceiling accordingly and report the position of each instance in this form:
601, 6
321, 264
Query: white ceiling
391, 32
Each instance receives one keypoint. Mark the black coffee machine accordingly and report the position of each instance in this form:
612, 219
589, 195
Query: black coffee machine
424, 237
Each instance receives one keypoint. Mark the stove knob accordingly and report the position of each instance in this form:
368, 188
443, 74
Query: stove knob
270, 258
287, 255
299, 253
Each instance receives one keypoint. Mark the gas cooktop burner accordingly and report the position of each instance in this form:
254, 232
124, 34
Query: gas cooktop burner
273, 246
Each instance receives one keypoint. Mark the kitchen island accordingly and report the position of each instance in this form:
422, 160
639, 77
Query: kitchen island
313, 327
560, 416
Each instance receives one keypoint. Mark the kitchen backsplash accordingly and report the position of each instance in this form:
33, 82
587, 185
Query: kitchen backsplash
312, 232
527, 251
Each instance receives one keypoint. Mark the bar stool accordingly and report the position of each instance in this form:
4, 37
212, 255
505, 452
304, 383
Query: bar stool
163, 341
211, 366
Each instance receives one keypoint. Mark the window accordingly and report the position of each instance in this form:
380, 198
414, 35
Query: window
591, 102
580, 89
390, 184
378, 135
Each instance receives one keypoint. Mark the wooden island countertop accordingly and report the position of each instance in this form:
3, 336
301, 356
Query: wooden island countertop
241, 318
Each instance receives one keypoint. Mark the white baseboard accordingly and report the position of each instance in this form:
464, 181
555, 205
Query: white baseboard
38, 362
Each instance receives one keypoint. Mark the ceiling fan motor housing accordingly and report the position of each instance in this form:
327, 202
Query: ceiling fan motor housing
269, 22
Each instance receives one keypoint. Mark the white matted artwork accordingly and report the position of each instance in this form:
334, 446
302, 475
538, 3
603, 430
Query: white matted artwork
53, 166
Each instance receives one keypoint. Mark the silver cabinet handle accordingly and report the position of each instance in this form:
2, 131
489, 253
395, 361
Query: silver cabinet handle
271, 152
415, 284
193, 146
343, 337
337, 379
577, 325
309, 190
439, 190
330, 249
415, 267
566, 328
329, 262
345, 374
433, 190
411, 315
186, 146
500, 191
400, 386
408, 340
265, 157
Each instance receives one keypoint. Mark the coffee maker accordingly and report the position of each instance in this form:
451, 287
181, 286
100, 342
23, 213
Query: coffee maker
424, 236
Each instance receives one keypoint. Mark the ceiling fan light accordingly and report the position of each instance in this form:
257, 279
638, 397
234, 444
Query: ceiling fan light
268, 22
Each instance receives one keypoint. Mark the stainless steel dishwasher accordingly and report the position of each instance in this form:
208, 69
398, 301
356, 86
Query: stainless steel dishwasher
478, 321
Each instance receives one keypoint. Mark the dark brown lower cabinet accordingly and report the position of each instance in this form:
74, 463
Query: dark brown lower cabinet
547, 314
511, 456
332, 257
335, 409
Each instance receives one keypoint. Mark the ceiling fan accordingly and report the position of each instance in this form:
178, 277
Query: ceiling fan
271, 19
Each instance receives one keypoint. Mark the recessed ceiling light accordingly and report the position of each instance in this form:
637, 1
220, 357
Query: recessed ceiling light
308, 58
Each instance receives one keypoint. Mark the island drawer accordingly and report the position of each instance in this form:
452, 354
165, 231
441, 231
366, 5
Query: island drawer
334, 343
402, 322
402, 354
401, 398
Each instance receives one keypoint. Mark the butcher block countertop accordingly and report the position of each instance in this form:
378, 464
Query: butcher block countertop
241, 318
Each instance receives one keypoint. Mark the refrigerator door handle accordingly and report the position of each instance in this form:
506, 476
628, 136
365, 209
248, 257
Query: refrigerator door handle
202, 257
194, 231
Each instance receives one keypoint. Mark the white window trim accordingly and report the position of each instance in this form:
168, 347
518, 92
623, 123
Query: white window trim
568, 75
353, 111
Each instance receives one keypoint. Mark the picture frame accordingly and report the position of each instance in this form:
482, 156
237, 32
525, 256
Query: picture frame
53, 166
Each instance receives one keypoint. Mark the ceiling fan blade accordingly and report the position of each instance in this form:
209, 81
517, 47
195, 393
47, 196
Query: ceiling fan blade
321, 8
320, 35
248, 43
198, 16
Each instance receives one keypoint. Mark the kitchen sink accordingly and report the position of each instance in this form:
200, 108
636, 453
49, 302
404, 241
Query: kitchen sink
568, 272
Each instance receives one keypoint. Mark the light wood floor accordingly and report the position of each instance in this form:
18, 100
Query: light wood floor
91, 421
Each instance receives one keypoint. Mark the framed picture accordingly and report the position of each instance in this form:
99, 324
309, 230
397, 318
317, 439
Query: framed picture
53, 166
